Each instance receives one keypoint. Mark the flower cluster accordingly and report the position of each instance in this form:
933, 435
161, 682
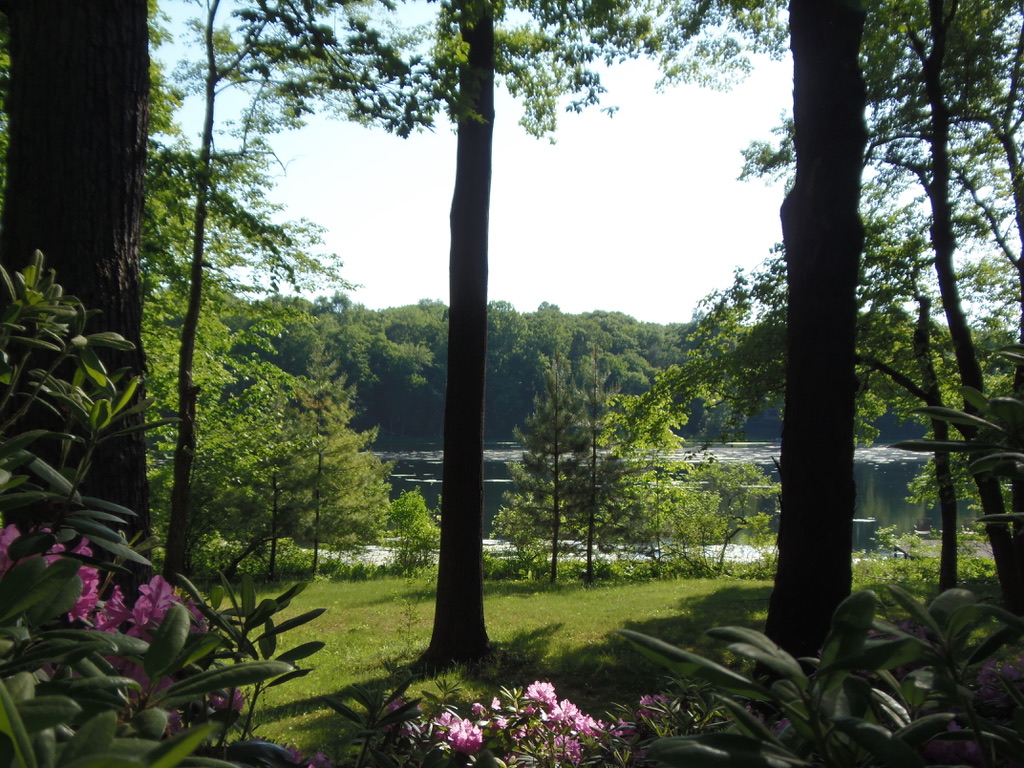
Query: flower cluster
534, 727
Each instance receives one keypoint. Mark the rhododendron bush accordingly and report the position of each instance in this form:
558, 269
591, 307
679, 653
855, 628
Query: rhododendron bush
159, 678
531, 727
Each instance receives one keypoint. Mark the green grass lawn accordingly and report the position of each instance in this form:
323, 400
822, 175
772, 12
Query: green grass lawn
375, 629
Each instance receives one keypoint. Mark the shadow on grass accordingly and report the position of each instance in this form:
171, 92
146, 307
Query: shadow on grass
599, 675
418, 590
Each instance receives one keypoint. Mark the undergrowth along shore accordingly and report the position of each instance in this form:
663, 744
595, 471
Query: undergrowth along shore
375, 630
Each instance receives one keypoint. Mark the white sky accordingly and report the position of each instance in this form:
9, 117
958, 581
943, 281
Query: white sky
639, 213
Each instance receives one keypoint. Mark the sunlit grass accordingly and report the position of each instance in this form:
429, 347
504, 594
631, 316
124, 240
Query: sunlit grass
374, 630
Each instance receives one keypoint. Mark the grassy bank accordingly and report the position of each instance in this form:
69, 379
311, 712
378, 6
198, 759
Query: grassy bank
374, 630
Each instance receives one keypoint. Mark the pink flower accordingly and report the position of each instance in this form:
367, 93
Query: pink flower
657, 700
320, 760
155, 599
542, 692
463, 735
7, 537
624, 729
568, 748
466, 737
113, 613
236, 703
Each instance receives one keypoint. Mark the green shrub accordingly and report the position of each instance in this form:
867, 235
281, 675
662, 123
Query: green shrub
880, 694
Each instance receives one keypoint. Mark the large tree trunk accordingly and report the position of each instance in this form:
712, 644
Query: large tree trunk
78, 110
459, 633
824, 238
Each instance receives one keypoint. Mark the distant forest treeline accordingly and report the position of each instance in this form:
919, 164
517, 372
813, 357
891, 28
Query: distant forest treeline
394, 359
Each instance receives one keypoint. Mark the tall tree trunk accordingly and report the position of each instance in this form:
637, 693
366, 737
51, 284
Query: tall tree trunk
176, 554
824, 238
79, 110
459, 633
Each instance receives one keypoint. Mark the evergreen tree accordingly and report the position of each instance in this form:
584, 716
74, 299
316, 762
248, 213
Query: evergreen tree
554, 446
603, 470
337, 488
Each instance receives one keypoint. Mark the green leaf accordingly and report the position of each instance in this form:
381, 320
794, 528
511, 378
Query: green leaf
29, 544
917, 611
879, 742
954, 416
100, 415
59, 598
168, 641
719, 750
288, 676
121, 551
126, 394
32, 581
44, 712
200, 647
302, 651
248, 595
888, 653
93, 367
974, 398
691, 665
174, 750
211, 680
754, 645
951, 602
267, 642
23, 440
107, 506
12, 727
51, 476
1009, 410
850, 624
109, 339
263, 611
286, 597
297, 621
921, 730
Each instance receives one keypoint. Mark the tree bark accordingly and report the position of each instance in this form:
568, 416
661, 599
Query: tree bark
79, 109
459, 633
824, 238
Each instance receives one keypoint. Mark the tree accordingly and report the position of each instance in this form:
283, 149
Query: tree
413, 532
823, 238
78, 111
337, 489
282, 58
459, 632
549, 479
603, 469
542, 63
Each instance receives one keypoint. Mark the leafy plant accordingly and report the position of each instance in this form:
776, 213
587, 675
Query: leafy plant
83, 681
249, 632
879, 694
42, 338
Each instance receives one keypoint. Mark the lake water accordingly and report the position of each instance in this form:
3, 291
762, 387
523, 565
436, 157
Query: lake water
882, 474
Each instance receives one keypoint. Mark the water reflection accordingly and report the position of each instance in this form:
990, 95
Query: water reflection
882, 473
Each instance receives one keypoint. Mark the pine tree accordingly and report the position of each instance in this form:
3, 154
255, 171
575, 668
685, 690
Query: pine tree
603, 470
554, 444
